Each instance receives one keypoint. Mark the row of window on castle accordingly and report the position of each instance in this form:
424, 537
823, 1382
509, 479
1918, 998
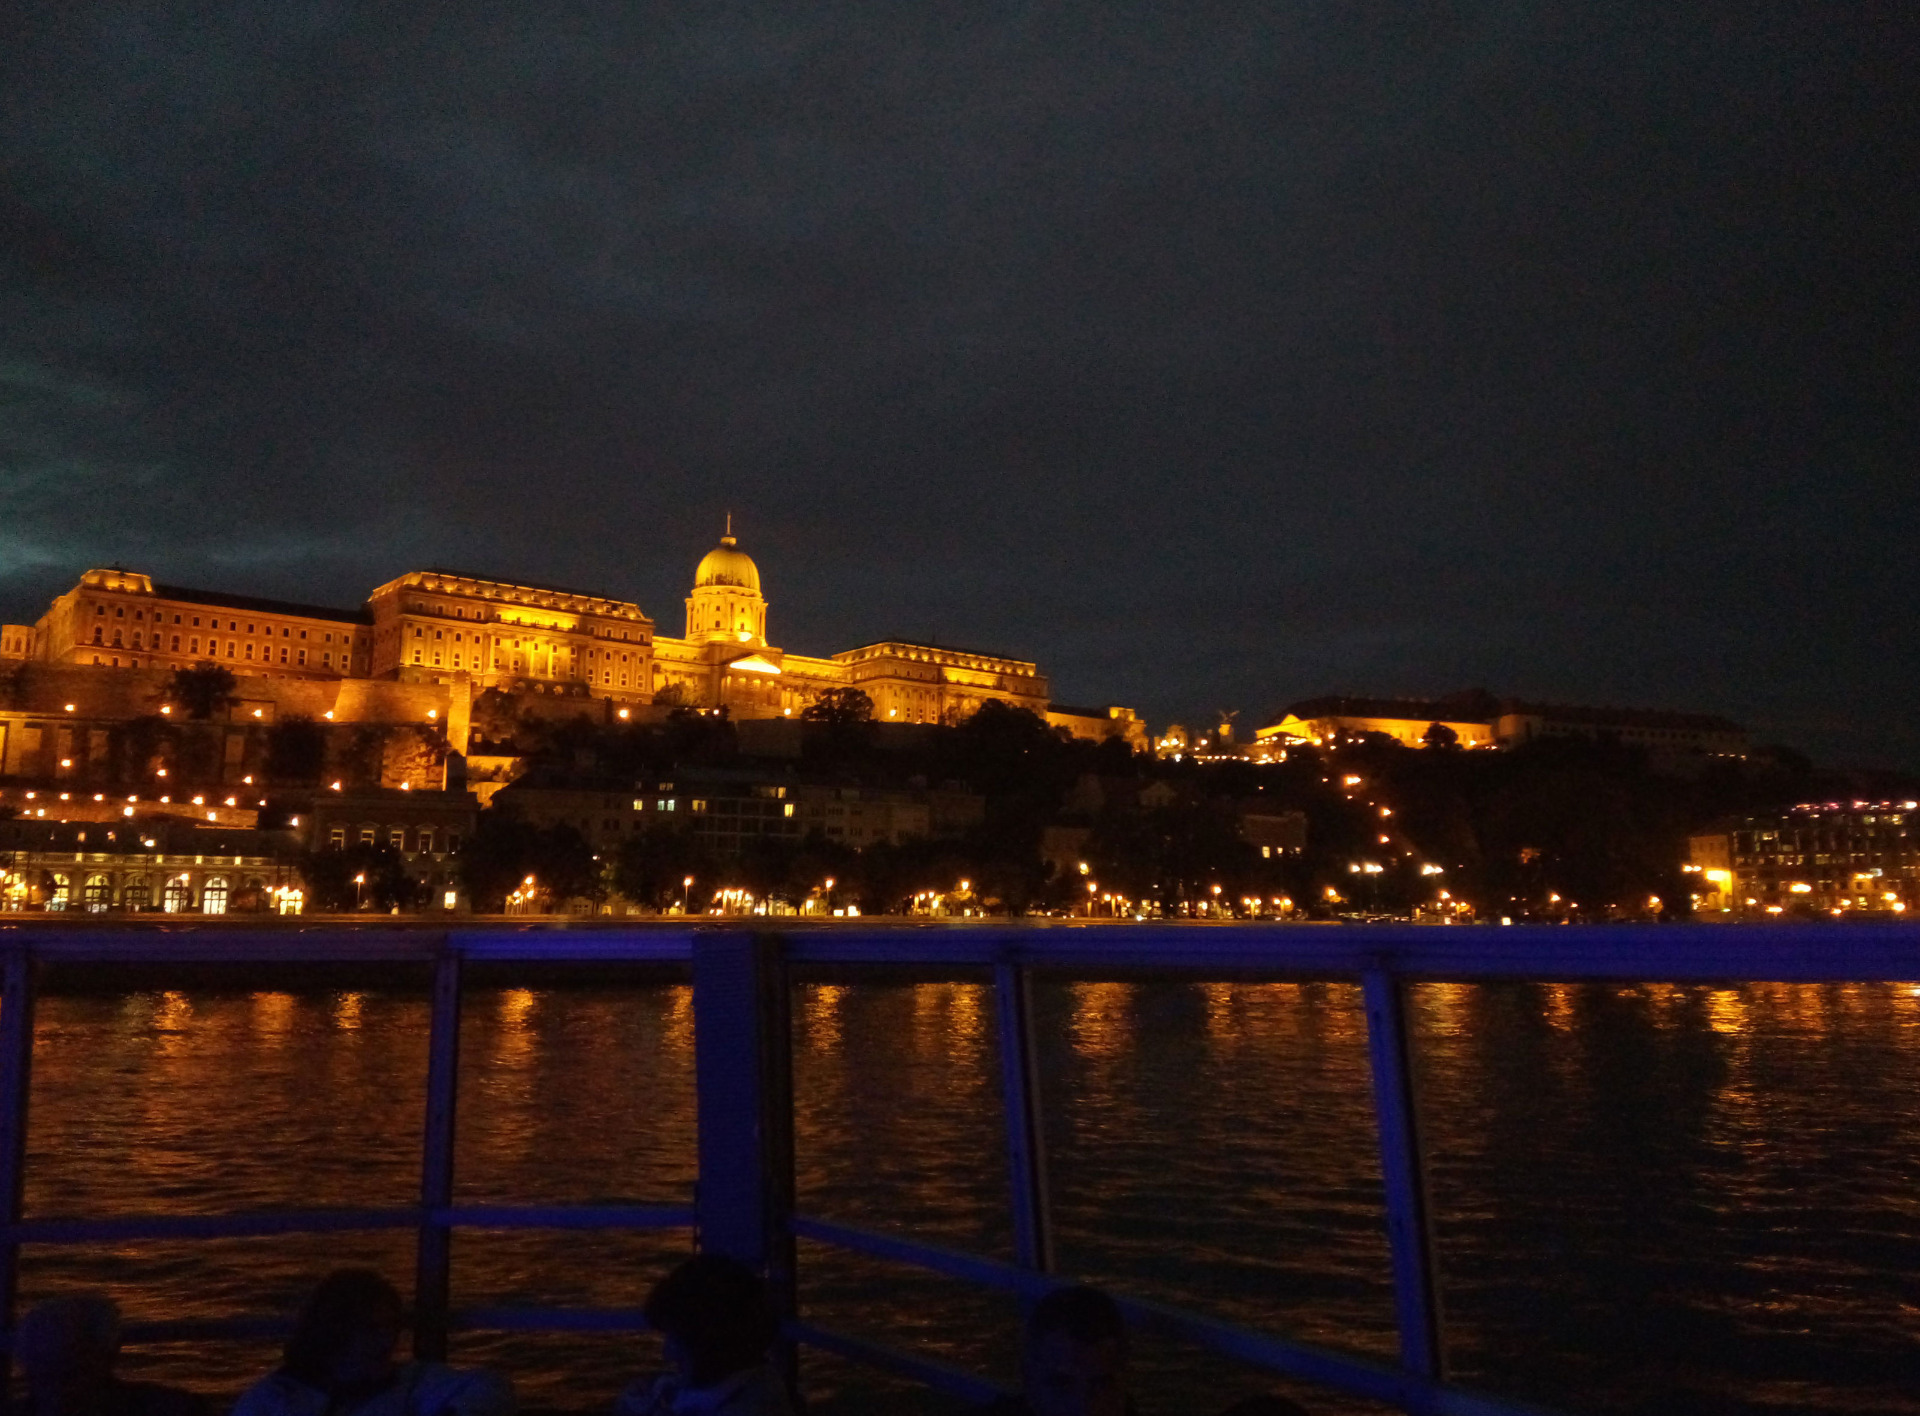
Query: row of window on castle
425, 839
594, 673
263, 652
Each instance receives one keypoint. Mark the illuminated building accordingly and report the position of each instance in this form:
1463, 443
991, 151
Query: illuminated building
1833, 857
121, 619
724, 809
1481, 720
427, 643
166, 867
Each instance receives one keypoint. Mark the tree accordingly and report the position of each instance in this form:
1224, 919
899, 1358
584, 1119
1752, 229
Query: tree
414, 753
493, 718
364, 762
504, 850
496, 858
363, 874
839, 707
296, 751
649, 866
1440, 735
203, 690
147, 743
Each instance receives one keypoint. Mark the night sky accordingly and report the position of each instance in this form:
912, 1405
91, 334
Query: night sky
1213, 355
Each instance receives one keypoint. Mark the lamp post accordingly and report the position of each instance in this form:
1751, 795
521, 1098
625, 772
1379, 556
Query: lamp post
359, 891
686, 889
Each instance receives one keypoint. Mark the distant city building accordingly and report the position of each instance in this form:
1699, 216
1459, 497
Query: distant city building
726, 809
1478, 720
165, 867
1833, 857
427, 643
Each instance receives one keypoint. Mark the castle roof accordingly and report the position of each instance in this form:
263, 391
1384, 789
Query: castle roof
260, 606
727, 564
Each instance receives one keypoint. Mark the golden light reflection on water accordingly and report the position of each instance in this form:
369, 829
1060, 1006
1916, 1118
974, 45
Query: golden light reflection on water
1557, 1006
1102, 1020
1664, 1004
678, 1035
822, 1013
1447, 1007
346, 1011
947, 1016
1903, 1001
513, 1042
1222, 1025
1263, 1014
1727, 1011
273, 1017
171, 1020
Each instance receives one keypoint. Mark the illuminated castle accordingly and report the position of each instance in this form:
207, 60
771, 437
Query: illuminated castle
466, 634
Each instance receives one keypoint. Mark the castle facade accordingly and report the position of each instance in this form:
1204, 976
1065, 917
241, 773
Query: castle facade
451, 636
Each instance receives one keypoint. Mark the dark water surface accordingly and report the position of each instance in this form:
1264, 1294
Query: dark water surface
1647, 1199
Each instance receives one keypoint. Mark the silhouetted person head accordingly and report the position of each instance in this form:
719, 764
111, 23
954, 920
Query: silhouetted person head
66, 1349
715, 1316
344, 1338
1075, 1361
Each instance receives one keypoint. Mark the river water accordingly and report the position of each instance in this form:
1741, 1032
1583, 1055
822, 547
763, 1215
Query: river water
1647, 1199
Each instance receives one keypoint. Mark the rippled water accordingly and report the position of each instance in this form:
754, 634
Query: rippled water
1647, 1199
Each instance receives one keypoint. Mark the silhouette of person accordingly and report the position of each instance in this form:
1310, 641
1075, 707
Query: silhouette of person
718, 1323
66, 1350
339, 1361
1074, 1358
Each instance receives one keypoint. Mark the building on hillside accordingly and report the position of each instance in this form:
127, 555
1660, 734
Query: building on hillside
1100, 724
1478, 720
165, 867
1406, 720
122, 619
726, 809
1835, 858
1270, 831
432, 824
441, 637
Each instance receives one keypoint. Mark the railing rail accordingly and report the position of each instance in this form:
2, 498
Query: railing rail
742, 999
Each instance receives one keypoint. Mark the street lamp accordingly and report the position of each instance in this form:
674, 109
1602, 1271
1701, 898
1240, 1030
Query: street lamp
686, 886
359, 890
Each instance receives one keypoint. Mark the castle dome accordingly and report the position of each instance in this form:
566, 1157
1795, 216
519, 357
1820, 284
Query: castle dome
727, 564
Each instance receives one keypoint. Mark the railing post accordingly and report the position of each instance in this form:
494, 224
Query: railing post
16, 1071
1020, 1089
1416, 1295
743, 1064
433, 1272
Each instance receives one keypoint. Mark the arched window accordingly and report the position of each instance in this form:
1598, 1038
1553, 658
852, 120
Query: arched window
59, 892
98, 894
177, 897
135, 895
213, 899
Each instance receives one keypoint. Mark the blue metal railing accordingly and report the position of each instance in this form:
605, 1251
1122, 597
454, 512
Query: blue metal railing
743, 1053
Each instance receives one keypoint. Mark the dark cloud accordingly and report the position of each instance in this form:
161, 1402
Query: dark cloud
1214, 354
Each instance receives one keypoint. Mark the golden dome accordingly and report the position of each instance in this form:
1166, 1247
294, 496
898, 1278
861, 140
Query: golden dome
727, 564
